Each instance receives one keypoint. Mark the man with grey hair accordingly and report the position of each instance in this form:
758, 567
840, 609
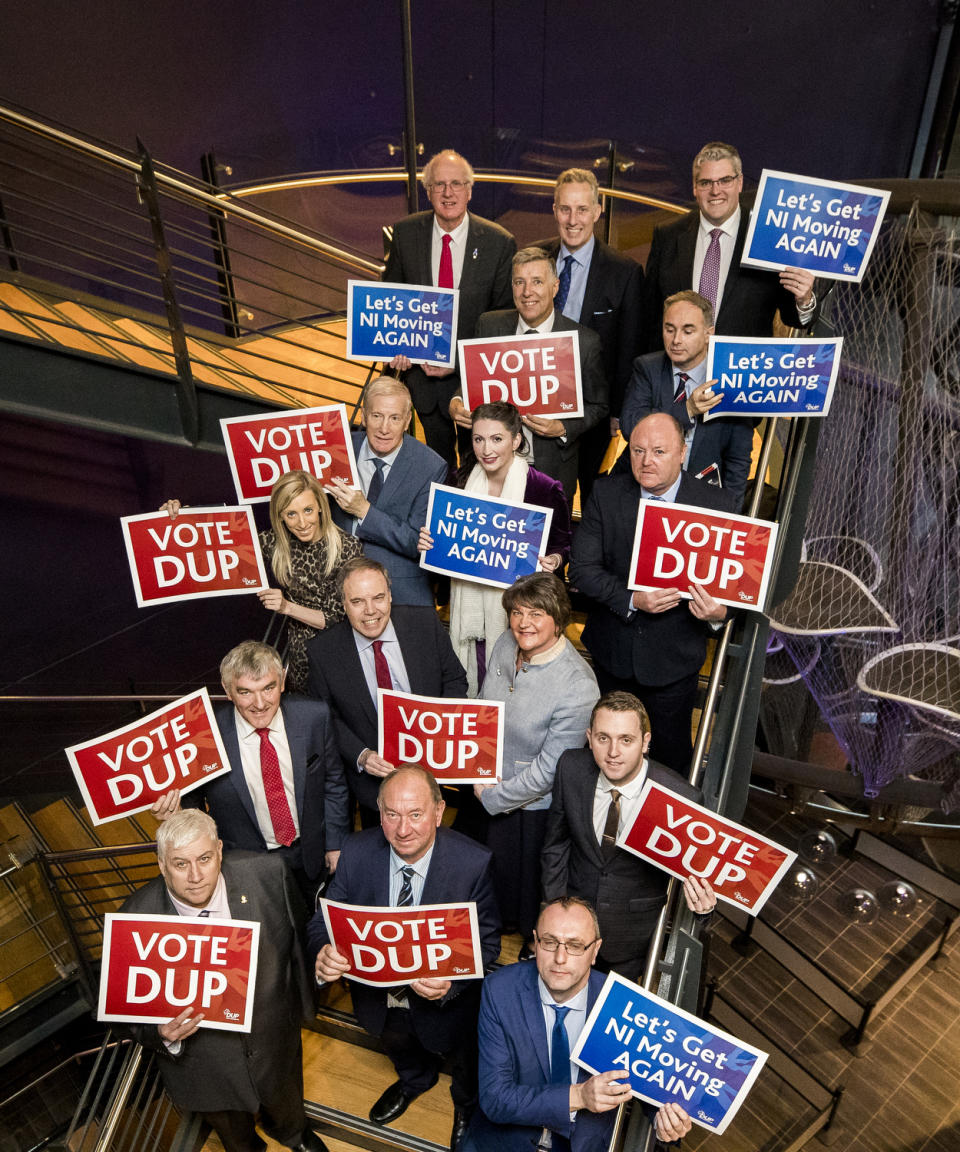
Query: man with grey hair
231, 1078
554, 444
389, 508
286, 793
448, 247
702, 250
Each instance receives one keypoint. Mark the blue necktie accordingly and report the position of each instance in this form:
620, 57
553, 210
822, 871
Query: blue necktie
405, 896
376, 482
564, 290
559, 1049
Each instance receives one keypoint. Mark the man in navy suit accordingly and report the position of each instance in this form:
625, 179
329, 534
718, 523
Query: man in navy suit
650, 643
599, 288
449, 248
531, 1016
306, 818
702, 250
674, 381
346, 673
411, 859
389, 508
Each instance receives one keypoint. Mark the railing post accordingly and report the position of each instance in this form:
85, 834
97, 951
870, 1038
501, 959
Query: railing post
409, 117
608, 200
7, 237
186, 388
221, 252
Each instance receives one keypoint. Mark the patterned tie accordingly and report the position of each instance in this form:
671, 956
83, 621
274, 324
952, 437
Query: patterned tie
376, 481
405, 899
284, 831
205, 912
680, 394
611, 826
564, 290
381, 667
445, 279
559, 1048
710, 272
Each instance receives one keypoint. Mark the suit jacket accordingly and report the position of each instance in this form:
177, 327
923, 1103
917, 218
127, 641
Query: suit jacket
725, 442
215, 1070
751, 296
517, 1099
336, 676
651, 648
484, 284
611, 307
318, 781
390, 529
556, 457
459, 872
626, 891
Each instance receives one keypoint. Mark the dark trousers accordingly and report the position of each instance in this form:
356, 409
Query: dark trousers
418, 1067
516, 841
670, 708
284, 1122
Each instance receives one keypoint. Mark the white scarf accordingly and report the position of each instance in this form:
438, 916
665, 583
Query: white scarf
476, 611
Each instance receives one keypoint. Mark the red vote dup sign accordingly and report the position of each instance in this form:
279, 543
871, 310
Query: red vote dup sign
204, 552
155, 966
396, 945
459, 741
540, 375
125, 771
676, 545
262, 448
686, 839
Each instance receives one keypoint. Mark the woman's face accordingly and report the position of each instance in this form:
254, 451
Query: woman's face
493, 445
302, 517
534, 630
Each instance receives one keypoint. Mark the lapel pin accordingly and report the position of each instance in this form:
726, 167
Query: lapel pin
243, 899
474, 254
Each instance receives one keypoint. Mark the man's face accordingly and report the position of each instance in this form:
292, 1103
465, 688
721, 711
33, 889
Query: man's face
656, 453
576, 213
618, 744
717, 201
449, 192
366, 598
257, 698
386, 421
191, 872
534, 287
685, 335
409, 816
564, 974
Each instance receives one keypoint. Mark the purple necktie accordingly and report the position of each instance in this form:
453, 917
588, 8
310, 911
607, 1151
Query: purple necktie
710, 272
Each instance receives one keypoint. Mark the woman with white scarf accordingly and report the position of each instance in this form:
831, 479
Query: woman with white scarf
497, 467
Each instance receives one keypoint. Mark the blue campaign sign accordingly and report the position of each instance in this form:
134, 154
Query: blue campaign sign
483, 538
828, 228
670, 1054
387, 320
765, 376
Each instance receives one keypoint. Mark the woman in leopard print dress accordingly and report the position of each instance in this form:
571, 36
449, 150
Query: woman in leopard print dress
305, 549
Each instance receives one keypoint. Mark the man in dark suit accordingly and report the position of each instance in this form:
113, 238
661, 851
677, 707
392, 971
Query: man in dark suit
305, 818
702, 250
448, 248
599, 289
411, 859
531, 1016
389, 508
377, 646
674, 381
230, 1077
596, 794
555, 444
649, 643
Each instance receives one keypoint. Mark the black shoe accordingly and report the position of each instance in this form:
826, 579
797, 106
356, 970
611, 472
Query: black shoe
526, 952
392, 1104
461, 1122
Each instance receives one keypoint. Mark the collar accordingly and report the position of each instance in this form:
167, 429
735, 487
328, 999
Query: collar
458, 235
217, 902
421, 866
364, 642
668, 497
245, 729
543, 327
550, 654
627, 790
582, 256
367, 453
730, 226
578, 1002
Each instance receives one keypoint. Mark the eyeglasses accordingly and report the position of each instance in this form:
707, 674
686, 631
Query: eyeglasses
724, 181
449, 185
571, 947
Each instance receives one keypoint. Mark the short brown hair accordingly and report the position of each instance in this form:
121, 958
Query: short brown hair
566, 902
622, 702
534, 256
359, 564
421, 773
714, 151
578, 176
688, 296
543, 591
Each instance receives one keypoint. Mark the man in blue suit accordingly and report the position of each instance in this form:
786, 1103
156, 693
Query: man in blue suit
286, 793
531, 1016
675, 381
389, 508
411, 859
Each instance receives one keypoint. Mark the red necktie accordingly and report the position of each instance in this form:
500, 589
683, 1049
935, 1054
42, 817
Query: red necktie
445, 279
384, 679
681, 393
283, 827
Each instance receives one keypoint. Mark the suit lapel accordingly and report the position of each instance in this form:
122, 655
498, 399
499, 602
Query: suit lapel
730, 286
586, 782
425, 250
398, 470
666, 385
686, 248
532, 1013
595, 280
297, 743
228, 729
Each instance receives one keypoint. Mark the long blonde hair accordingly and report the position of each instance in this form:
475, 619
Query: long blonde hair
288, 488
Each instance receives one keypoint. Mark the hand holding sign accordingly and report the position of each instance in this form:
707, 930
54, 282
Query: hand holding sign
180, 1027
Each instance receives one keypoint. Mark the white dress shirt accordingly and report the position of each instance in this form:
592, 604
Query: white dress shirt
629, 801
728, 242
249, 742
458, 249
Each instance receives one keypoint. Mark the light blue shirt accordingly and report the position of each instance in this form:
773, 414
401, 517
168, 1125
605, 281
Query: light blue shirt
573, 1022
696, 377
416, 880
366, 469
579, 272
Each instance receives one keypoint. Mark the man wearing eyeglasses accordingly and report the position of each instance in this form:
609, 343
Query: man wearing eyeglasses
531, 1016
448, 247
702, 251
